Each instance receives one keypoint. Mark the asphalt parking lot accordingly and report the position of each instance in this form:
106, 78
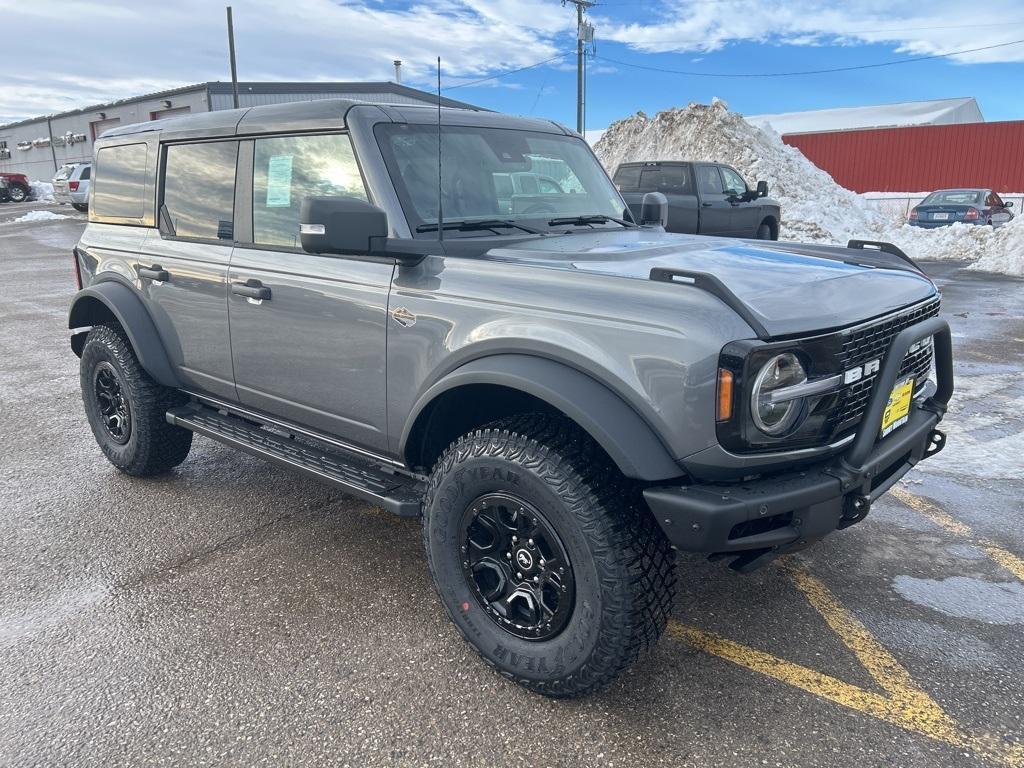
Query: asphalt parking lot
231, 613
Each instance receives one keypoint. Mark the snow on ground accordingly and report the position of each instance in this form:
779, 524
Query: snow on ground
41, 216
814, 207
42, 191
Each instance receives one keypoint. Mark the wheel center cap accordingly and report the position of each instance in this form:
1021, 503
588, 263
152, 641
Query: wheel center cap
524, 559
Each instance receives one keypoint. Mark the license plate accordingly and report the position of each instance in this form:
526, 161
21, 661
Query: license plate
897, 412
940, 216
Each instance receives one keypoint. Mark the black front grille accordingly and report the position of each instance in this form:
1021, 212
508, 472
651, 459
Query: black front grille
870, 342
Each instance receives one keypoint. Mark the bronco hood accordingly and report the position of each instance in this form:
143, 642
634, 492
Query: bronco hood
790, 288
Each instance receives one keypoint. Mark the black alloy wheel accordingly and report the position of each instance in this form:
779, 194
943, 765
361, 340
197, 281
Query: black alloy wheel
114, 410
517, 567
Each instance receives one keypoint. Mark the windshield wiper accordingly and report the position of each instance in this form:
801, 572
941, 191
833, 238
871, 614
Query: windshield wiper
470, 225
582, 221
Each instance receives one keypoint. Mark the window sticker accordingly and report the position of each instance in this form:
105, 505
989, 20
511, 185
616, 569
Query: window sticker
279, 181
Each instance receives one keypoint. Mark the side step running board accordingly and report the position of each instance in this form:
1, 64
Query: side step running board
395, 493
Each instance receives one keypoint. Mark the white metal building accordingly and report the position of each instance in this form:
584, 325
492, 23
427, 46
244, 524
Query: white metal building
936, 112
39, 146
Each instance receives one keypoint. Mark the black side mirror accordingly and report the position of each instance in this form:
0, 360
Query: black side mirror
654, 210
340, 225
762, 189
1008, 205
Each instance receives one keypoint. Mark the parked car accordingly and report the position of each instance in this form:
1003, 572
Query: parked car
703, 198
71, 185
564, 398
969, 206
18, 187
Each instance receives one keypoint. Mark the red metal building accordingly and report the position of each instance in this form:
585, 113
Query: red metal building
920, 158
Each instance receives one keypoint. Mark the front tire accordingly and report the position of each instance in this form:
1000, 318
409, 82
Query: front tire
544, 555
764, 231
127, 409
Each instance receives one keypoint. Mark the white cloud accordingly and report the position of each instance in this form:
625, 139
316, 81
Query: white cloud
77, 52
917, 29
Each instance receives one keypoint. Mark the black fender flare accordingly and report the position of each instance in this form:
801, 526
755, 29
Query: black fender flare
624, 435
131, 314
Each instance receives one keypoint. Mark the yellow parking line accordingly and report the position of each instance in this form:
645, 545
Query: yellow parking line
906, 705
944, 520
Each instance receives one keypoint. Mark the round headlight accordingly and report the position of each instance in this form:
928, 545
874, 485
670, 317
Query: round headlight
781, 371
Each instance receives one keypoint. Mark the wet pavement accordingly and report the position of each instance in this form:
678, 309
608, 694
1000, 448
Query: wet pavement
232, 613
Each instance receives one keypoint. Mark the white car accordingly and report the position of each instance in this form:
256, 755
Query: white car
71, 185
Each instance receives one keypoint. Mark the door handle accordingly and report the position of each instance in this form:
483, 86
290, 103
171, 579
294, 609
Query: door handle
252, 289
705, 205
155, 273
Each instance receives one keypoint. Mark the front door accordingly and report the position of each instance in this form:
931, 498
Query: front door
715, 209
746, 214
311, 347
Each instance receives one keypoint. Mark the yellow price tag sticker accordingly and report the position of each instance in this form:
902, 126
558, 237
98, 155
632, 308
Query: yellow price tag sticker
897, 412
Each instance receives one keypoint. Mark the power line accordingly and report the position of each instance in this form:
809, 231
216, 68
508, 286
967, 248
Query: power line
508, 72
808, 71
828, 34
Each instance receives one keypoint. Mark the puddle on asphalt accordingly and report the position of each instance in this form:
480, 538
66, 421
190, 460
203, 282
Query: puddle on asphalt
966, 598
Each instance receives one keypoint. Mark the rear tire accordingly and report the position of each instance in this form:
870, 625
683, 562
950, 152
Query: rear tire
611, 598
127, 409
83, 207
18, 193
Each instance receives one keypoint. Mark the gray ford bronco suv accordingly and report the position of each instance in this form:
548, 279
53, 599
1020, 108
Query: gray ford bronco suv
566, 397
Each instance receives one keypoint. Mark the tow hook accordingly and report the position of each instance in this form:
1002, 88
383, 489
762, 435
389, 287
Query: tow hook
855, 510
936, 442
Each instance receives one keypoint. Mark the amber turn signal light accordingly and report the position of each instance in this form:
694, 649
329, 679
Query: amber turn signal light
725, 381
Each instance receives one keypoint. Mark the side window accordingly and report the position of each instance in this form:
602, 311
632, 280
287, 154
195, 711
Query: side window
199, 190
120, 181
628, 177
709, 181
994, 200
734, 183
650, 179
86, 173
290, 168
676, 178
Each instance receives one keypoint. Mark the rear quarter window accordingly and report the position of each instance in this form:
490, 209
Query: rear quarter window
119, 186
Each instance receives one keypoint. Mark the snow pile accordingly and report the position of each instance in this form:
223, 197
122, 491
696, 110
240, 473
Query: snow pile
814, 207
41, 216
42, 191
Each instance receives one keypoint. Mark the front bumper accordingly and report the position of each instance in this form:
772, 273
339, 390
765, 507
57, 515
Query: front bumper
759, 520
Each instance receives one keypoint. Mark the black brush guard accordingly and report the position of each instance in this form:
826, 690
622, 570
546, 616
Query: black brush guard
755, 522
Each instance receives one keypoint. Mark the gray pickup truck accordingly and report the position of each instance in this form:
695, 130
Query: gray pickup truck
703, 198
565, 398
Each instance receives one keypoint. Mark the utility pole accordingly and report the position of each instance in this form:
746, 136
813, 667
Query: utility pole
231, 51
584, 34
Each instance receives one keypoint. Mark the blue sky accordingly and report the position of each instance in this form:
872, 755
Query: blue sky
123, 49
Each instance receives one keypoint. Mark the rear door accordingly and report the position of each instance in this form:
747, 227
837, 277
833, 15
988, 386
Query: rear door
183, 266
675, 182
715, 210
313, 351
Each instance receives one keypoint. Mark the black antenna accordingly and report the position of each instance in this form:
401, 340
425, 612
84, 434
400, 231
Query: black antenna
440, 209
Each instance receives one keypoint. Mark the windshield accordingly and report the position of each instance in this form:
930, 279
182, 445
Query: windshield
495, 174
954, 197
